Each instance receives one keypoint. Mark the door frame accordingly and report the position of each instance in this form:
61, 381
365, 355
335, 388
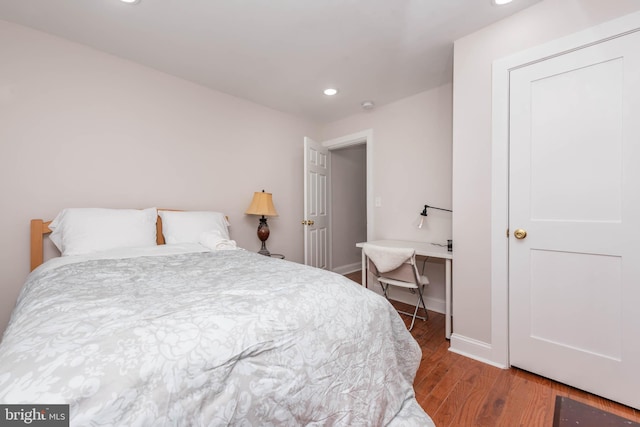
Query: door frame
499, 351
358, 138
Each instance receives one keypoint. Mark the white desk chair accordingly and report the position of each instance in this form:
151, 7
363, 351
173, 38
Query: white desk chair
397, 267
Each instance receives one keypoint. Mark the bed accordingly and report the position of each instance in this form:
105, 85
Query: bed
185, 334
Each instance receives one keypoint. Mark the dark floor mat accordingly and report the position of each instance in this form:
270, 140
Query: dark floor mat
569, 412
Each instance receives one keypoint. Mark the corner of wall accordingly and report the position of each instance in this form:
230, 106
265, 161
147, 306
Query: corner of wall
474, 349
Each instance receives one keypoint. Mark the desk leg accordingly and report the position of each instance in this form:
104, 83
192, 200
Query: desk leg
364, 270
447, 303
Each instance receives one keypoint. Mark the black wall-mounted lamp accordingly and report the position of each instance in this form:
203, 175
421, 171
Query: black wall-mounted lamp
424, 211
424, 215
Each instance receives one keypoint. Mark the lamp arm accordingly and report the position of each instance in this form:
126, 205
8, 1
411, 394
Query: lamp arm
424, 211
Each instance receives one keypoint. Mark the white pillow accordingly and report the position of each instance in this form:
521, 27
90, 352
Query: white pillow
188, 226
79, 231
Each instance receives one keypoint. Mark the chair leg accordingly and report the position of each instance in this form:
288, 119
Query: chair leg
413, 319
426, 313
384, 290
415, 312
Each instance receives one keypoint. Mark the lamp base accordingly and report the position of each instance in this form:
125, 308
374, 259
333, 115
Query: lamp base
264, 251
263, 235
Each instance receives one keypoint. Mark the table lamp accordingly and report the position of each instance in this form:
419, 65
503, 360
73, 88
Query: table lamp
262, 204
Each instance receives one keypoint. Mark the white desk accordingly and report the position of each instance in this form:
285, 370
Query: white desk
423, 249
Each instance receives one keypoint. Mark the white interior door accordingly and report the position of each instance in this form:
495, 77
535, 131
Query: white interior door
574, 280
316, 208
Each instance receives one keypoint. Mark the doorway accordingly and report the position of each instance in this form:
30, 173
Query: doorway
348, 206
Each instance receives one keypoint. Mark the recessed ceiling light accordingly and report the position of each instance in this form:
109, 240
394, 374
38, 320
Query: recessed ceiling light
501, 2
330, 91
130, 1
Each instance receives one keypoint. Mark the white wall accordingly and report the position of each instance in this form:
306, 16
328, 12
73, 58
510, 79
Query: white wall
348, 206
412, 166
80, 128
473, 58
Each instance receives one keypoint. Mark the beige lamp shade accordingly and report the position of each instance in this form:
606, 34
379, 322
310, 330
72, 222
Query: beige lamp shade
262, 204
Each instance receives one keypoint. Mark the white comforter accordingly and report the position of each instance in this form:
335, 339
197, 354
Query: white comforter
208, 339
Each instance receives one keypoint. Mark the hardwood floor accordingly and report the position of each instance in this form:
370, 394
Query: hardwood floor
457, 391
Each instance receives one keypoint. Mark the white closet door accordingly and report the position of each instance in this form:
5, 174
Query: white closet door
574, 280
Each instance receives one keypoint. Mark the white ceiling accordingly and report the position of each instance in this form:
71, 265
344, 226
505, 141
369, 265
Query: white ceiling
279, 53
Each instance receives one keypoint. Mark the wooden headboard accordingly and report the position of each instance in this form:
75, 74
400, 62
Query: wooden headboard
40, 228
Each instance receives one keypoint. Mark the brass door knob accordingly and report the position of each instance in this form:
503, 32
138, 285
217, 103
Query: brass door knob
520, 233
310, 222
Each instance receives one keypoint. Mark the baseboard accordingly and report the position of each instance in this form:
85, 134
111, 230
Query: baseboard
349, 268
474, 349
435, 304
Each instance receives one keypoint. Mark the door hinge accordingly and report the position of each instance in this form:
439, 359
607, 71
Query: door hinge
507, 233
